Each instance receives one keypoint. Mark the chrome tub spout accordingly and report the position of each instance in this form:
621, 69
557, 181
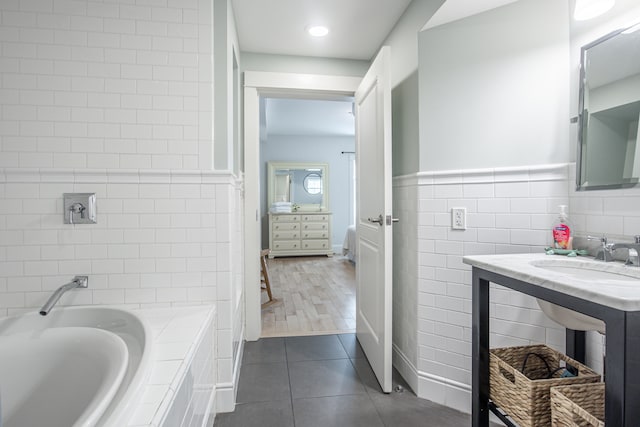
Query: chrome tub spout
77, 282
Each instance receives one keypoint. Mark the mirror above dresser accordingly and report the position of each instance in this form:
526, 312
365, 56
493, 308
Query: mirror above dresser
299, 217
303, 186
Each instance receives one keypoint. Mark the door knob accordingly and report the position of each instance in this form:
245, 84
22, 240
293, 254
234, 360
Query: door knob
378, 220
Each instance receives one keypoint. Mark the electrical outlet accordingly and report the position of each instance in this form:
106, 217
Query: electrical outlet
459, 218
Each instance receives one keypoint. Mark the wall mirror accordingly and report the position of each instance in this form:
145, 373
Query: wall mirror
304, 185
609, 105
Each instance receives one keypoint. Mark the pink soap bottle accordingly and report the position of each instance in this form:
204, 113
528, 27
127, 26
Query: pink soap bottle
562, 230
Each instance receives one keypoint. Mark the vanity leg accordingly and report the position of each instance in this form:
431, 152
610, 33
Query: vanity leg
622, 364
480, 352
575, 344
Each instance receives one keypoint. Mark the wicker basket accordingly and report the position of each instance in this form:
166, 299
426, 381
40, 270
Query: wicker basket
525, 397
579, 405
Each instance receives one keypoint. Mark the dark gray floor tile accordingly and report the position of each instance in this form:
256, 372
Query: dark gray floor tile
321, 347
351, 346
263, 382
405, 409
319, 378
265, 350
260, 414
366, 375
343, 411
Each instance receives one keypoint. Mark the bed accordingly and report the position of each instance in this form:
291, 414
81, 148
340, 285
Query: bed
349, 245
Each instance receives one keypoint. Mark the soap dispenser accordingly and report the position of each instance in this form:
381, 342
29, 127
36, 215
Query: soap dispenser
562, 230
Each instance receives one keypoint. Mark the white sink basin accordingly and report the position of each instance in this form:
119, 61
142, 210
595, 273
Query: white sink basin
571, 319
584, 270
588, 269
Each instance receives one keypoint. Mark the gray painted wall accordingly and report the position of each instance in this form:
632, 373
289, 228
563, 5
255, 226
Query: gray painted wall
403, 41
320, 149
494, 88
404, 129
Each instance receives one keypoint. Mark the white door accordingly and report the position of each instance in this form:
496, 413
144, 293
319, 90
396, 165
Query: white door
374, 223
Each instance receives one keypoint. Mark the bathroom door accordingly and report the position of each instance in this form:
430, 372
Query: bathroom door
374, 222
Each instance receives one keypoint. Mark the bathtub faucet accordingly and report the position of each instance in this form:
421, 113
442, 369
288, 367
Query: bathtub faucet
77, 282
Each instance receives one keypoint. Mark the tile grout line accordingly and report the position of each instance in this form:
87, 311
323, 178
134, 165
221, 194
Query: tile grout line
286, 361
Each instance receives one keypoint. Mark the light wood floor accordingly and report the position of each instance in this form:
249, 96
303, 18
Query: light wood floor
313, 296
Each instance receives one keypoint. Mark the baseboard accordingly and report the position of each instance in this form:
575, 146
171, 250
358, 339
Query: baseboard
444, 391
432, 387
225, 398
406, 369
226, 392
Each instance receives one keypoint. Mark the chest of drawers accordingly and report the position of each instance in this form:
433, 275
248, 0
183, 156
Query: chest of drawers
292, 234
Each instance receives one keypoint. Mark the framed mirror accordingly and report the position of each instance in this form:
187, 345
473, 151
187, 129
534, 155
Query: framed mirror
609, 106
301, 185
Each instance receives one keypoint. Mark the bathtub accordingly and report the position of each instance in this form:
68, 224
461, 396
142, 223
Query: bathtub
77, 366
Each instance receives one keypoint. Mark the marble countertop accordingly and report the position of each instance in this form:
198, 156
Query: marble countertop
622, 293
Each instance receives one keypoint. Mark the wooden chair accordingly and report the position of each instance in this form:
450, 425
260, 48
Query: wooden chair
265, 274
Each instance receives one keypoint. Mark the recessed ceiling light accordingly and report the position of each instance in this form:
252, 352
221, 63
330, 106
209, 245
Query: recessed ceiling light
318, 30
587, 9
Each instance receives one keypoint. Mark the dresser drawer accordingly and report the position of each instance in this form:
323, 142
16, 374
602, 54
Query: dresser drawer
285, 218
315, 234
315, 226
315, 244
286, 234
283, 226
307, 218
284, 245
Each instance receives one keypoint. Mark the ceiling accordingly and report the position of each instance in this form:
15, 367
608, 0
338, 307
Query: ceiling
309, 117
357, 28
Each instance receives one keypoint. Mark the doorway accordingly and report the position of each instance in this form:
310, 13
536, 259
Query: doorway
259, 85
308, 145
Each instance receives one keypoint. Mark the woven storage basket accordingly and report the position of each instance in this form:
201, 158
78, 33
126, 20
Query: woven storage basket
525, 398
579, 405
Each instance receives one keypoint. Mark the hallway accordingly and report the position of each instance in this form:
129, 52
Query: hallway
324, 381
313, 295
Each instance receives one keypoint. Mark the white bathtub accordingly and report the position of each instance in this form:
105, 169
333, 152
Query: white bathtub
77, 366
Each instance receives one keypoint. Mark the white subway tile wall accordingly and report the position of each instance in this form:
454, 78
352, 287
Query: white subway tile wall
612, 213
146, 248
116, 98
508, 211
88, 84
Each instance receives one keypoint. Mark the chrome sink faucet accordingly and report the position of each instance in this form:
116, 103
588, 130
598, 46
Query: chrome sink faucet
605, 251
77, 282
633, 248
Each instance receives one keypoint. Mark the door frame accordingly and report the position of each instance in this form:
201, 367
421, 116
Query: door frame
257, 84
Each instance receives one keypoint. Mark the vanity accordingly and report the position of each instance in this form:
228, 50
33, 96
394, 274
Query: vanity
299, 218
606, 291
